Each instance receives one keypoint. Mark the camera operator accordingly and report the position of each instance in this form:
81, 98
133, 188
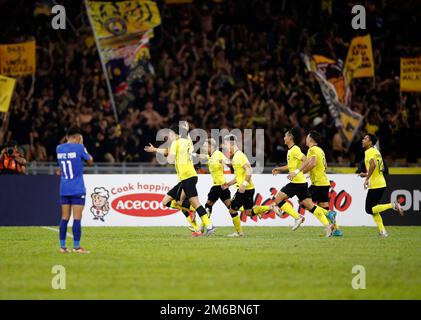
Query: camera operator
11, 161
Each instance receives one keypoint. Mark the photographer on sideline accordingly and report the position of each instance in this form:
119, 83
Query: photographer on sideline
11, 161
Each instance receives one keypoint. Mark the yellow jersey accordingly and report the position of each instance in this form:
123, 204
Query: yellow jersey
377, 179
294, 160
238, 161
216, 167
318, 174
182, 149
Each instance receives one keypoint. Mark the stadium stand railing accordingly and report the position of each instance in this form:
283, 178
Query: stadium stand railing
49, 168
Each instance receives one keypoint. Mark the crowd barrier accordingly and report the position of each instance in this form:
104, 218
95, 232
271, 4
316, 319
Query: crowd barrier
134, 200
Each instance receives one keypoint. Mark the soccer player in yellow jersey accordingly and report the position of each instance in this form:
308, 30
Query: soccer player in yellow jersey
216, 160
298, 185
316, 166
245, 187
180, 155
175, 198
376, 183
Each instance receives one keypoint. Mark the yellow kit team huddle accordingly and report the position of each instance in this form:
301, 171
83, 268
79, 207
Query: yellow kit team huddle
184, 196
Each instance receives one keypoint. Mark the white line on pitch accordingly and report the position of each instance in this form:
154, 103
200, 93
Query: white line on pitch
57, 230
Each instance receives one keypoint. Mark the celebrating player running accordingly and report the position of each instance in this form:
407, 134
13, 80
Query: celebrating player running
245, 187
376, 184
298, 185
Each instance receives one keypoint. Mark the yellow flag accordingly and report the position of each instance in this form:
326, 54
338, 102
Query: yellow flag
411, 74
322, 59
359, 60
351, 123
7, 85
121, 19
17, 59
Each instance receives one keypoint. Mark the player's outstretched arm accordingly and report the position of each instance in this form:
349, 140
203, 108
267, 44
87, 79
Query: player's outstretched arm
279, 169
152, 149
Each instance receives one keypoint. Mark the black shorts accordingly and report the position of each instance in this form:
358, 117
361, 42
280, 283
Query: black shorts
188, 186
373, 199
243, 199
216, 192
297, 189
319, 193
175, 192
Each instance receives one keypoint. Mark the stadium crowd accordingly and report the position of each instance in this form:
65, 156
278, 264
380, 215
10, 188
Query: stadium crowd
232, 64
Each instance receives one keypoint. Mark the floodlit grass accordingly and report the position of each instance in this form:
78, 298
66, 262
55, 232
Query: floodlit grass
166, 263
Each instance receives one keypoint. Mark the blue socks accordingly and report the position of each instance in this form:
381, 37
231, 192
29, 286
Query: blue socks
63, 232
77, 233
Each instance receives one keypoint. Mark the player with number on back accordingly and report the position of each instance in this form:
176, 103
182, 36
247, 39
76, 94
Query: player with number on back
375, 183
70, 157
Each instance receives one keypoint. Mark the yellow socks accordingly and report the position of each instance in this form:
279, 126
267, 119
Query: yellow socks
320, 214
194, 224
205, 221
260, 209
382, 207
290, 210
175, 205
336, 226
237, 223
379, 221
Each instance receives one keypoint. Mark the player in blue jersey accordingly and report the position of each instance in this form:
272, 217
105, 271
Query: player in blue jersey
70, 158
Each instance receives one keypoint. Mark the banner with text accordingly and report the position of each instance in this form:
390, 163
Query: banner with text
135, 200
359, 61
410, 80
17, 59
7, 86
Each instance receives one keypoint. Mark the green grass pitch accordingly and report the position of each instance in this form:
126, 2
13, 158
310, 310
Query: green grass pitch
166, 263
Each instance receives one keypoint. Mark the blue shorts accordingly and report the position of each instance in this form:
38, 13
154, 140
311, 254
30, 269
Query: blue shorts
76, 200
